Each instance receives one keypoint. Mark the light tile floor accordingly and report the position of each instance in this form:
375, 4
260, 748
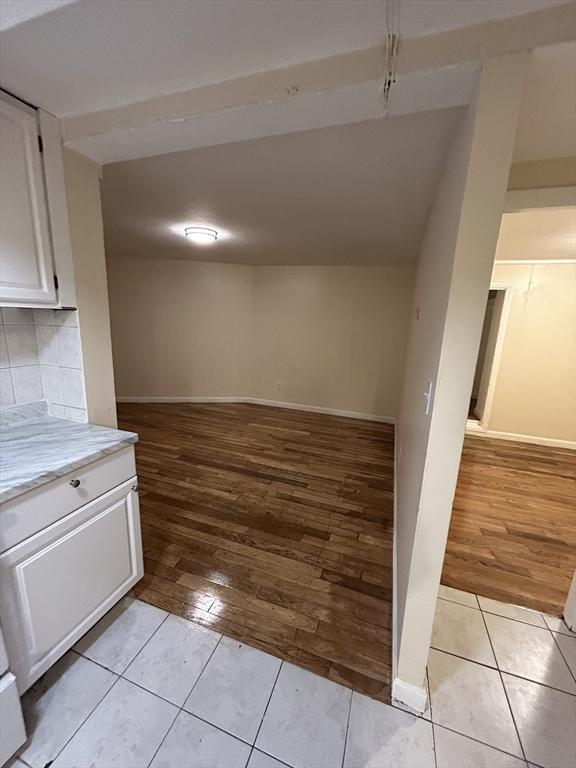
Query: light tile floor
146, 688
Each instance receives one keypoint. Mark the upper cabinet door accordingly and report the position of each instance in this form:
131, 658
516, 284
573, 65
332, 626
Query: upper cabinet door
26, 264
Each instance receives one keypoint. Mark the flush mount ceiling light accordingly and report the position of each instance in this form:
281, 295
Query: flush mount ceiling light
201, 235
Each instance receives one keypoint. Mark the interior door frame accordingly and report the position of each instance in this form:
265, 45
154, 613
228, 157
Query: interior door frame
508, 288
517, 200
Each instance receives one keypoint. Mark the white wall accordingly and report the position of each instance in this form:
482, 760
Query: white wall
179, 328
332, 337
535, 387
82, 179
452, 285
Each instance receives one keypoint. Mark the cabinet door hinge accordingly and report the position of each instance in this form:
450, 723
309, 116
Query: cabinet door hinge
40, 144
56, 282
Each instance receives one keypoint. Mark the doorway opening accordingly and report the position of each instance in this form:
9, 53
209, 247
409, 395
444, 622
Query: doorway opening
489, 354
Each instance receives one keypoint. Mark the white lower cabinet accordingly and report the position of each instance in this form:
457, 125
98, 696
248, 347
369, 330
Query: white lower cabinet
58, 582
13, 731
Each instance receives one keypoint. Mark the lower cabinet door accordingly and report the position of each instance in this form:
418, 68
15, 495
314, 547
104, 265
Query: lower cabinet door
55, 585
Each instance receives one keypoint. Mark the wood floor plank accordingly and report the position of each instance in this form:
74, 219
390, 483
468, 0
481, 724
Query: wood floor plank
272, 527
513, 530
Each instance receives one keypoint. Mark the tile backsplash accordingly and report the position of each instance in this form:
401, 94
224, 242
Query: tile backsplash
41, 359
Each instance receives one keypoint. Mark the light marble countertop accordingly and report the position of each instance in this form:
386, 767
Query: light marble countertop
36, 448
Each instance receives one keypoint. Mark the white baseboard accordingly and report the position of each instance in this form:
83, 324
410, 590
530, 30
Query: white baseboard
321, 409
409, 696
163, 399
259, 401
473, 428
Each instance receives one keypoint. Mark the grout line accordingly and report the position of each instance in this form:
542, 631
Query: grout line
505, 671
268, 703
434, 744
504, 689
153, 693
347, 728
518, 621
213, 725
201, 672
562, 654
465, 658
176, 716
144, 646
263, 751
429, 692
455, 602
108, 669
87, 717
431, 717
484, 744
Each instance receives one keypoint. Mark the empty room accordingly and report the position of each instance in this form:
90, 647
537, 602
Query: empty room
288, 384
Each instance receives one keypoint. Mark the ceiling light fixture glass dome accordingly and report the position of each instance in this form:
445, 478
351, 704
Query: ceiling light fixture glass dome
201, 235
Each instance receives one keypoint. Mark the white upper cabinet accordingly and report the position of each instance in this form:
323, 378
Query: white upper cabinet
36, 266
26, 262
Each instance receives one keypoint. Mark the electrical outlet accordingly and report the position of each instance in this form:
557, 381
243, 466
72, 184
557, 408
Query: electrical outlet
278, 386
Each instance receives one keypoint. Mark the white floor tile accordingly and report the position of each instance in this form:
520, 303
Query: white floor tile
528, 651
305, 723
234, 688
192, 743
461, 630
59, 703
124, 731
511, 611
172, 661
558, 625
456, 751
546, 721
470, 699
260, 760
381, 736
458, 596
568, 649
120, 635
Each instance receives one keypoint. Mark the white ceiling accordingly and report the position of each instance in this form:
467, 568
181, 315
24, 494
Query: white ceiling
95, 54
542, 233
352, 194
547, 124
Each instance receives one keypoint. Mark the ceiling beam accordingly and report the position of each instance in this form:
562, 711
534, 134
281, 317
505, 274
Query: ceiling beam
434, 72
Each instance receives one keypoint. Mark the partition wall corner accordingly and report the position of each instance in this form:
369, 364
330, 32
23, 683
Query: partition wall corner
452, 284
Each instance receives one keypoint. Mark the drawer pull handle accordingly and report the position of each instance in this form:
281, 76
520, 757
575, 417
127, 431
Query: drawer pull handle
135, 488
74, 483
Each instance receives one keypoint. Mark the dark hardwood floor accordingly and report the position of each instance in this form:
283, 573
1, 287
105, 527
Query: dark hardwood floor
513, 531
273, 527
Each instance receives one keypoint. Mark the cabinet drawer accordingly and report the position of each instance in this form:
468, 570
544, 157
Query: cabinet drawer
58, 583
34, 510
